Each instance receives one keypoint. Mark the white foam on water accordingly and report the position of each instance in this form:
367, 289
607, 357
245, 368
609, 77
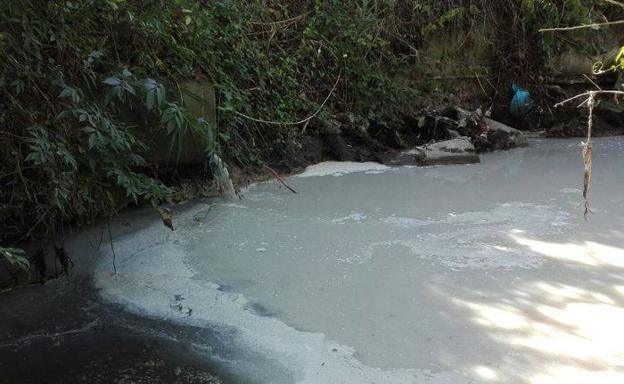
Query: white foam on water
339, 168
482, 239
153, 274
352, 218
569, 191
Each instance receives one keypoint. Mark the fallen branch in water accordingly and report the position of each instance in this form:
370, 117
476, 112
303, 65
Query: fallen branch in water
590, 100
278, 177
110, 238
587, 155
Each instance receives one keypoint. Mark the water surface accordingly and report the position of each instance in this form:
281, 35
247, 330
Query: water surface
456, 274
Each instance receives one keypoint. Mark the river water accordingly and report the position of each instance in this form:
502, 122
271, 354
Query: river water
458, 274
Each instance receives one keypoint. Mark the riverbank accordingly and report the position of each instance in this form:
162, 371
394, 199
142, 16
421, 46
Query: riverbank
63, 333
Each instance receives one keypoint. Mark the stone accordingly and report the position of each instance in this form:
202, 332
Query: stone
454, 134
455, 151
502, 136
331, 127
414, 156
470, 123
337, 148
311, 150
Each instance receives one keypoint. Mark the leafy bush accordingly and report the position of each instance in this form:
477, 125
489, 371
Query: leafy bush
68, 154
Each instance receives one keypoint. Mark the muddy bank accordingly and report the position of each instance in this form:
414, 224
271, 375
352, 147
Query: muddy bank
62, 332
436, 136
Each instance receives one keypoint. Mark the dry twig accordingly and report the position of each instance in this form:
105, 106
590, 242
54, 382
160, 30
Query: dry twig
110, 238
587, 94
278, 177
584, 26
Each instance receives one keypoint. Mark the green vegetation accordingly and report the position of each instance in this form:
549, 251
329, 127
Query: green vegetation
85, 84
14, 256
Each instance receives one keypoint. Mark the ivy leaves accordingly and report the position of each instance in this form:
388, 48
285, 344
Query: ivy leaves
618, 64
619, 60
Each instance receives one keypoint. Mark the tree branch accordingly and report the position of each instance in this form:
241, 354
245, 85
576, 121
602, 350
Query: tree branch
588, 94
615, 3
584, 26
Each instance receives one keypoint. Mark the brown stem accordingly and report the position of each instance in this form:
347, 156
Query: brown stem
278, 177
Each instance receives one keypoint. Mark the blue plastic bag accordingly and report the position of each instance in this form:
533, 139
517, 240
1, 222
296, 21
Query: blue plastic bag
521, 101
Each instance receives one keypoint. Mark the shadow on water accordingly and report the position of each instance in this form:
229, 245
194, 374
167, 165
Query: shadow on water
562, 328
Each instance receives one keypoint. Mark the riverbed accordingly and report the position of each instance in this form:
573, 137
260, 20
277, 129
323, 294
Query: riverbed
456, 274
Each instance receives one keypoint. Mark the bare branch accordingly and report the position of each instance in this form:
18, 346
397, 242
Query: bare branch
584, 26
588, 94
615, 3
593, 82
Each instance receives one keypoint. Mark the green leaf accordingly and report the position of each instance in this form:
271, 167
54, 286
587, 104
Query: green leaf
112, 81
149, 101
92, 141
15, 256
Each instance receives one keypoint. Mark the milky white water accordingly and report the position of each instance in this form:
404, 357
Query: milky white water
458, 274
